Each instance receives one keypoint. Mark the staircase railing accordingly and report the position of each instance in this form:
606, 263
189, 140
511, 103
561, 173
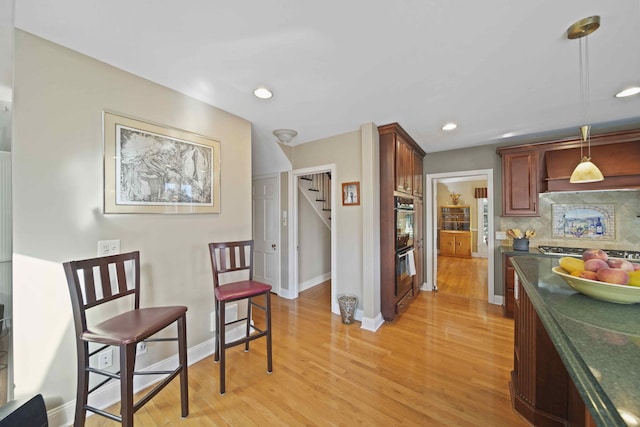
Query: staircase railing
317, 189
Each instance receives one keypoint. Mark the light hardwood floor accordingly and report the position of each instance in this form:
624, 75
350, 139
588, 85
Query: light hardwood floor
463, 277
444, 362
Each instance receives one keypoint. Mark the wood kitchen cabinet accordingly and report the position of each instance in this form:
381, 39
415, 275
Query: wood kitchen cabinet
541, 389
404, 166
509, 281
520, 183
455, 243
400, 175
530, 169
418, 177
455, 234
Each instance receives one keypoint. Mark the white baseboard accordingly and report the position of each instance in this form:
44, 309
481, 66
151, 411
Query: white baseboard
286, 293
308, 284
110, 394
372, 324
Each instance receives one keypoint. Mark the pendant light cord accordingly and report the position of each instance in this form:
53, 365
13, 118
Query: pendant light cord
584, 89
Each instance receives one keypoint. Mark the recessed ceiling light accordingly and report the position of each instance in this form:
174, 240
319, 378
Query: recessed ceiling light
263, 93
634, 90
449, 126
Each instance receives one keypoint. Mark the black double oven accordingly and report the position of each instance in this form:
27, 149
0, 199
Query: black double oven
405, 266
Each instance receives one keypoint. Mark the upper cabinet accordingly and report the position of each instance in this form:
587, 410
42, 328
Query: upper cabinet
417, 174
405, 159
530, 169
404, 165
520, 183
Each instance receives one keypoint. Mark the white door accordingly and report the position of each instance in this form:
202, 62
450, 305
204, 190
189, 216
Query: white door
266, 220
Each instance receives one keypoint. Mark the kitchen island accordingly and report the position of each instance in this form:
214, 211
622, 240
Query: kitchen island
572, 352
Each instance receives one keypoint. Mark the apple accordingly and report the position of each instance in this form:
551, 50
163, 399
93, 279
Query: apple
622, 264
594, 253
595, 264
615, 276
635, 266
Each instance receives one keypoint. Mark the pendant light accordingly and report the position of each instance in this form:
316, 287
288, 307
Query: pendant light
586, 171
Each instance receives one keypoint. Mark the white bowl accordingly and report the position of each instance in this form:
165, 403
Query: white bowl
621, 294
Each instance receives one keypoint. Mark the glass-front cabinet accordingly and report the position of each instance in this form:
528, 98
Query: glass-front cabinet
455, 231
454, 217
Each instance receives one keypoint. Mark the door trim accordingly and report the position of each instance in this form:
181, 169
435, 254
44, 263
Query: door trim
293, 288
431, 228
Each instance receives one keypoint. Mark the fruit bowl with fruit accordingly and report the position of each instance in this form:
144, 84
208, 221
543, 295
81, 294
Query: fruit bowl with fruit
600, 277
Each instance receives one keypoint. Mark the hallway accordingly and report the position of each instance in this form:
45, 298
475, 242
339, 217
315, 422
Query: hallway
463, 277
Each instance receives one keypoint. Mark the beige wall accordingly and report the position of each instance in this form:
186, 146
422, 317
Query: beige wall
345, 151
355, 157
314, 245
58, 167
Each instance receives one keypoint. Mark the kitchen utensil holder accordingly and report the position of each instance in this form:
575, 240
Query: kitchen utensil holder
521, 244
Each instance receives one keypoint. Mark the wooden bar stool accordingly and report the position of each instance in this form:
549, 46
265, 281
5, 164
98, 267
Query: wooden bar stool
227, 257
96, 281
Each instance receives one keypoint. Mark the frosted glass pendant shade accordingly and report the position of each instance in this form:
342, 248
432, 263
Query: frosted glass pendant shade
586, 172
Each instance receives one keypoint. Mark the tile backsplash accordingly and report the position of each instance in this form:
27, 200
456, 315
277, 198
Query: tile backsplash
627, 223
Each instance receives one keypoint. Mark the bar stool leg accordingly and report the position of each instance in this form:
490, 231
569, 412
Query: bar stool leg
127, 366
182, 356
248, 324
268, 319
82, 391
216, 339
221, 349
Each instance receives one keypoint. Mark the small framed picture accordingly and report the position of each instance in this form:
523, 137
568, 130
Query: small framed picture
350, 193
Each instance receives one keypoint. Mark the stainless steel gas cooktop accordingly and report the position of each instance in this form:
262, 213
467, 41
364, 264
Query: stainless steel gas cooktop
562, 250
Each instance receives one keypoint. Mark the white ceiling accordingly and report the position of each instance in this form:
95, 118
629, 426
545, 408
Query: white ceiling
496, 67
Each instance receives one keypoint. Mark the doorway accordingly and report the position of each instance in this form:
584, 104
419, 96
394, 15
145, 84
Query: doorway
433, 181
294, 232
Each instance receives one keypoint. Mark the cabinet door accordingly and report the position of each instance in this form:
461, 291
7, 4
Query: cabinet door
520, 184
404, 166
417, 174
463, 245
447, 244
509, 280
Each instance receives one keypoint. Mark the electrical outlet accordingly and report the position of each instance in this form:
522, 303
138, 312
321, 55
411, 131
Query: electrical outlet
108, 247
105, 359
501, 235
141, 348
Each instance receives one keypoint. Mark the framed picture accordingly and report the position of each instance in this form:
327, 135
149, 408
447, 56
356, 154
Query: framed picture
149, 168
586, 222
350, 193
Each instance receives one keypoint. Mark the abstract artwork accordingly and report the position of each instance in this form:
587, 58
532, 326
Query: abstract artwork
154, 169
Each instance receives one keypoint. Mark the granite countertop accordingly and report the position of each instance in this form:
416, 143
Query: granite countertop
533, 251
598, 341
